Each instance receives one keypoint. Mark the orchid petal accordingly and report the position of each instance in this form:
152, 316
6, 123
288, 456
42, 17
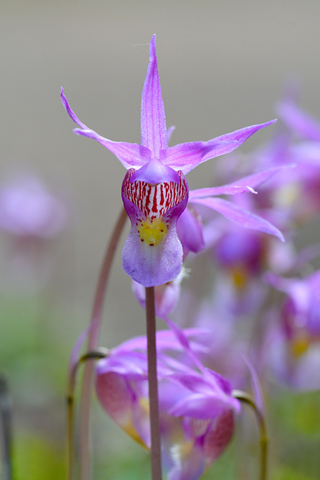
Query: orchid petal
190, 231
245, 184
202, 406
258, 178
240, 216
166, 340
187, 156
129, 154
183, 340
153, 120
223, 190
219, 436
118, 405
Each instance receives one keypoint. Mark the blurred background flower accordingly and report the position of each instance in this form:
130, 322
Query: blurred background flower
31, 218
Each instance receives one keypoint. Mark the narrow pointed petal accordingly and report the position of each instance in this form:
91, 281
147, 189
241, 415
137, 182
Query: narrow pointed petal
153, 120
240, 216
223, 190
129, 154
258, 178
187, 156
245, 184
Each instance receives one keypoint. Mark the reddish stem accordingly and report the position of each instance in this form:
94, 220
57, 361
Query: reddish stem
156, 473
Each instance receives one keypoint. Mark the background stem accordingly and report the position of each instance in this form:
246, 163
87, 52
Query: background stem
5, 413
92, 343
249, 400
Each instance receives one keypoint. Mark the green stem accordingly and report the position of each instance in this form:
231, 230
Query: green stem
92, 355
249, 400
156, 473
5, 414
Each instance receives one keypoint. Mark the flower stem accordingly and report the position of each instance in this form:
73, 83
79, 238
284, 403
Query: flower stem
5, 414
249, 400
89, 367
156, 473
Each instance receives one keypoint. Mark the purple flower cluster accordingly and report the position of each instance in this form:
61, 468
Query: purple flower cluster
196, 407
260, 305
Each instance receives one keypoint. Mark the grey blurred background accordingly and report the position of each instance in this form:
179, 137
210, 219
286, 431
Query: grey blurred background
223, 65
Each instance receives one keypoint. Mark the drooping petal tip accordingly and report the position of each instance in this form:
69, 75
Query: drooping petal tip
70, 112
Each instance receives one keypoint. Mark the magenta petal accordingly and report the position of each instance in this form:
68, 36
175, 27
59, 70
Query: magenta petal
166, 340
258, 178
153, 120
223, 190
245, 184
129, 154
70, 112
240, 216
201, 406
219, 436
190, 231
116, 397
187, 156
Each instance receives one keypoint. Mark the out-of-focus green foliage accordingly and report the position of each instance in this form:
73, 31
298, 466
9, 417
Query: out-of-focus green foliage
299, 412
37, 458
287, 473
